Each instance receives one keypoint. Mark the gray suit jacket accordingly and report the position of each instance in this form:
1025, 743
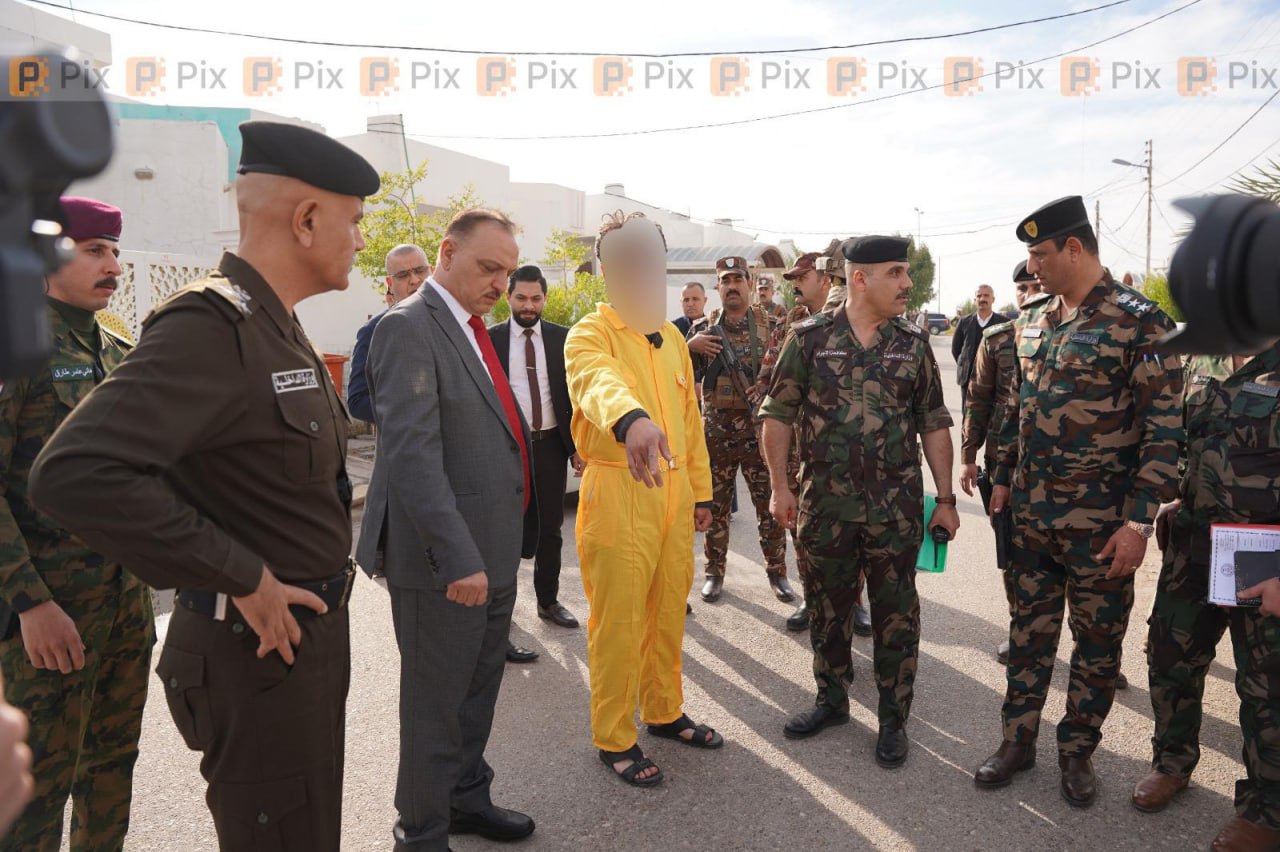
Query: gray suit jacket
447, 488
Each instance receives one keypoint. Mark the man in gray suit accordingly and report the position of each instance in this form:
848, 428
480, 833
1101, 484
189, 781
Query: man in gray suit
443, 521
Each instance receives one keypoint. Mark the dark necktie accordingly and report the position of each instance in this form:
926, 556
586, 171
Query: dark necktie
490, 356
531, 374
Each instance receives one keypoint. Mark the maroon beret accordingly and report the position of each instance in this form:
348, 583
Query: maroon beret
90, 219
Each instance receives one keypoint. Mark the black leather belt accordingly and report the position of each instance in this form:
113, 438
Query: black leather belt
335, 591
544, 434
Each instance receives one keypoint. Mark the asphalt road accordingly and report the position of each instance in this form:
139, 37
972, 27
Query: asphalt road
745, 675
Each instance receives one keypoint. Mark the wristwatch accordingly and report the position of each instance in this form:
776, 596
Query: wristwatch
1144, 530
949, 500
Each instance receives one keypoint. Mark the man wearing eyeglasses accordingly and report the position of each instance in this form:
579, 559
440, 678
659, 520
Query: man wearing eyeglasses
407, 268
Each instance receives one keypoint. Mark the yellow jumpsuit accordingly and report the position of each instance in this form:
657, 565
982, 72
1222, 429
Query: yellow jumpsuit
635, 544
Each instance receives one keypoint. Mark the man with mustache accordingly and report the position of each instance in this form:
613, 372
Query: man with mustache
862, 389
968, 335
77, 627
531, 351
728, 417
766, 289
407, 268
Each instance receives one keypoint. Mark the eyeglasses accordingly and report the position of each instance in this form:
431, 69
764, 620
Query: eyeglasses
418, 271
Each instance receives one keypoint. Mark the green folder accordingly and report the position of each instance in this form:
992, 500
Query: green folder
933, 555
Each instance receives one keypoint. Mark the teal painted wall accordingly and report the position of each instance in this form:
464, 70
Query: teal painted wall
227, 120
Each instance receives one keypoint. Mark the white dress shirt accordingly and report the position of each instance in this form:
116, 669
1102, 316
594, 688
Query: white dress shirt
519, 377
463, 317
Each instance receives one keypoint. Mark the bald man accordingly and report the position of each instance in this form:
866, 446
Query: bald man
219, 445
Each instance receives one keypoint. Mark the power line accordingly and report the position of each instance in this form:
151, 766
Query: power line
1230, 136
583, 53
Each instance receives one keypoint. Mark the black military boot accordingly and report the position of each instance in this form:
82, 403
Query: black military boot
812, 721
799, 620
891, 746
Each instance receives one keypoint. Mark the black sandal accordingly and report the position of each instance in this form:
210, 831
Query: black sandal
639, 764
672, 731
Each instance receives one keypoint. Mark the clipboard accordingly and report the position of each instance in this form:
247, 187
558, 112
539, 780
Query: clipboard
933, 555
1229, 544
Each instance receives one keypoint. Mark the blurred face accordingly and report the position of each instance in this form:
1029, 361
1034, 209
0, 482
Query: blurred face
335, 238
811, 289
88, 280
1026, 290
527, 303
733, 288
634, 261
882, 288
693, 301
405, 274
984, 298
475, 268
765, 290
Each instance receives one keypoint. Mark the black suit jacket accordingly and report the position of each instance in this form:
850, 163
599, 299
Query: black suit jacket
553, 338
964, 345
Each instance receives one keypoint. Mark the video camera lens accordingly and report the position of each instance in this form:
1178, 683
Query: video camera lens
1225, 276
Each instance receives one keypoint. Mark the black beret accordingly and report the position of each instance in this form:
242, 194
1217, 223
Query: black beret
875, 249
1053, 220
292, 151
1021, 274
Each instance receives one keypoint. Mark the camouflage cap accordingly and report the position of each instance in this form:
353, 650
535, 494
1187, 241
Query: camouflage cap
732, 263
803, 264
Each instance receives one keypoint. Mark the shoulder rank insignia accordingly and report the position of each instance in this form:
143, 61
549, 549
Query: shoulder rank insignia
1133, 303
233, 293
811, 323
910, 327
997, 329
1036, 301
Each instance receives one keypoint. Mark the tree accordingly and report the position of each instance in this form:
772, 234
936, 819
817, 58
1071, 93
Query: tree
1264, 182
391, 219
967, 308
1156, 288
922, 271
1010, 310
566, 250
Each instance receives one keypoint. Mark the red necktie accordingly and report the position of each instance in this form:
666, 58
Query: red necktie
508, 401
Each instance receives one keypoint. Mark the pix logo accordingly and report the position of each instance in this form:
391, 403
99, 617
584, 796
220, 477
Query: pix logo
495, 76
144, 76
961, 76
1196, 75
1079, 76
611, 75
262, 76
846, 76
729, 76
28, 76
379, 75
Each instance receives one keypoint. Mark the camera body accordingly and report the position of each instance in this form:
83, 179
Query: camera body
50, 135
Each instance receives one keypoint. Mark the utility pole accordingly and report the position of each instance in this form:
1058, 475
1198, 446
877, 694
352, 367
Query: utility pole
1097, 219
939, 268
1150, 199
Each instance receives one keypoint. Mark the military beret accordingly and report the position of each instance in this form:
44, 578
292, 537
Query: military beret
731, 264
803, 264
289, 150
89, 219
1021, 274
1053, 220
875, 249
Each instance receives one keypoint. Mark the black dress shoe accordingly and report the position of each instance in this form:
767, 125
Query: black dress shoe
520, 655
558, 614
861, 620
891, 746
1009, 759
799, 619
493, 824
1002, 653
1079, 784
1122, 682
688, 608
812, 721
712, 588
781, 588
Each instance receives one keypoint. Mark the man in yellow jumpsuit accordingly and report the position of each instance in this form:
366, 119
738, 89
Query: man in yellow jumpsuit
646, 487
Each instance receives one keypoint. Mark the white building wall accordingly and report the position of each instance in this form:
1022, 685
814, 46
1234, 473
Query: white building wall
28, 29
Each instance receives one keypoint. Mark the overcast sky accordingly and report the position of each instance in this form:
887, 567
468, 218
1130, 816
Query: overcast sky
971, 163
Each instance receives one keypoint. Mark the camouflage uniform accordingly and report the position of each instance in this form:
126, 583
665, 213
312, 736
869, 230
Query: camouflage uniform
84, 725
858, 413
995, 371
777, 313
781, 334
733, 443
1232, 476
1094, 432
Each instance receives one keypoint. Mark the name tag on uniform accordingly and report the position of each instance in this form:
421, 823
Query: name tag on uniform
833, 353
1262, 390
1032, 332
899, 356
72, 374
1201, 380
1084, 337
294, 380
